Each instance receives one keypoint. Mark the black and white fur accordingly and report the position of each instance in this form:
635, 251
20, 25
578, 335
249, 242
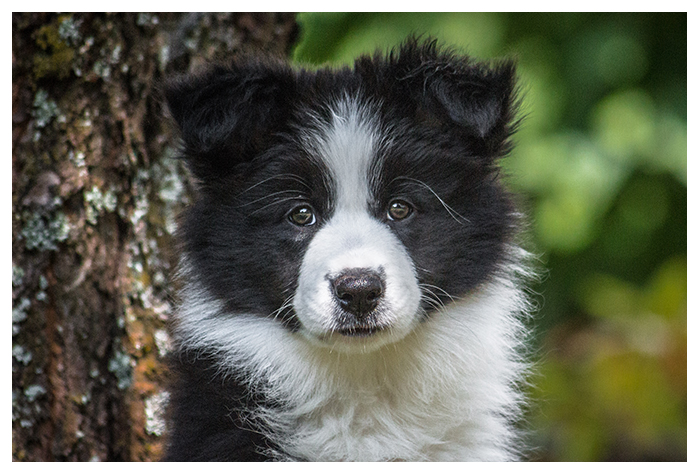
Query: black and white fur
352, 283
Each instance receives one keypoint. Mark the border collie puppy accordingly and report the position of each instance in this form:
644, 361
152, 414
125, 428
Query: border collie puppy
352, 285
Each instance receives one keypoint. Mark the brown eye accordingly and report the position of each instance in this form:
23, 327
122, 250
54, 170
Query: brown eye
302, 216
398, 210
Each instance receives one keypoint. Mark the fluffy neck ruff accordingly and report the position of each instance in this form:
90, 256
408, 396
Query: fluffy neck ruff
448, 391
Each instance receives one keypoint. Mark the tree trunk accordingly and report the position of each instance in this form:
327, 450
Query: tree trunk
96, 190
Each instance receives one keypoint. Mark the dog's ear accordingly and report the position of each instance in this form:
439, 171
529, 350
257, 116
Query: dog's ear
226, 112
476, 99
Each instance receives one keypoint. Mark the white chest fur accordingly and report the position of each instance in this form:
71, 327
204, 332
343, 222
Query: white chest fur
447, 391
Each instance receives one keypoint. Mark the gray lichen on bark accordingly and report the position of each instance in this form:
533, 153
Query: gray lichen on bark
96, 191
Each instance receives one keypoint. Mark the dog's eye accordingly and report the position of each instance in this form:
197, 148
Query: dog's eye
302, 216
398, 210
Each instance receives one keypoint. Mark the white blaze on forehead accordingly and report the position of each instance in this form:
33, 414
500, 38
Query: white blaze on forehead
347, 145
352, 237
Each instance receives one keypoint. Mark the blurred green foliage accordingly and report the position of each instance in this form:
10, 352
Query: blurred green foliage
601, 165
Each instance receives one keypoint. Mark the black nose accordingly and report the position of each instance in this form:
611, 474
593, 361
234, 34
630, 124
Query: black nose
358, 291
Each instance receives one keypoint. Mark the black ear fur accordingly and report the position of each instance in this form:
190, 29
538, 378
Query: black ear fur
226, 112
475, 99
479, 102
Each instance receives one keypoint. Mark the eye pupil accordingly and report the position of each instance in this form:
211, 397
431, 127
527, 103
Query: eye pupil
302, 216
399, 210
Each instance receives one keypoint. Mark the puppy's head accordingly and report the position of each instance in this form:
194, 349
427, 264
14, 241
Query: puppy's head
346, 205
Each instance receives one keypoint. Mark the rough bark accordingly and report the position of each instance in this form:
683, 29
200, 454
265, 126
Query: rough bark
96, 190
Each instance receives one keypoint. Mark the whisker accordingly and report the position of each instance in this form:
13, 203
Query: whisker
269, 196
289, 176
276, 202
440, 289
452, 212
433, 302
295, 194
286, 307
432, 297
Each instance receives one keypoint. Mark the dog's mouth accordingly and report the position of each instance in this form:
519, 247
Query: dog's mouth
358, 336
360, 331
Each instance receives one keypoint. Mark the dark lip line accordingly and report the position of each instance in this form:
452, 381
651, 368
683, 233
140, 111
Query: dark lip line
359, 331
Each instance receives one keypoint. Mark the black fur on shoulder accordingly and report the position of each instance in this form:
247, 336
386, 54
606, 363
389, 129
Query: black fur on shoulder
207, 422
